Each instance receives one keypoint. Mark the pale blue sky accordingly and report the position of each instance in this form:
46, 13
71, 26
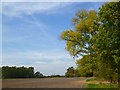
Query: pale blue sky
31, 34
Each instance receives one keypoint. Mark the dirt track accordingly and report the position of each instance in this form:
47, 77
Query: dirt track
44, 83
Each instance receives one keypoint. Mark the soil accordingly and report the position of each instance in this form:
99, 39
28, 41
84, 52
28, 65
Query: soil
44, 83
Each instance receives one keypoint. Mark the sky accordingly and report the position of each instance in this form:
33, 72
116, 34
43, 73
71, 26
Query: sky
31, 34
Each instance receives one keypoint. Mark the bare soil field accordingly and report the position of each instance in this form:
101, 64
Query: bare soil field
44, 83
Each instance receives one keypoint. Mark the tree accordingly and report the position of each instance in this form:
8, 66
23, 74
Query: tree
86, 66
17, 72
78, 41
107, 41
38, 75
70, 72
97, 38
31, 72
0, 72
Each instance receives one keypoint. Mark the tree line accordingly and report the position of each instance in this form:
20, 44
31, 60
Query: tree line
95, 37
20, 72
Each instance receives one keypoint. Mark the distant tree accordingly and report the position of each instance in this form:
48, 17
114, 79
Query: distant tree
52, 76
38, 75
6, 72
70, 72
31, 72
0, 72
17, 72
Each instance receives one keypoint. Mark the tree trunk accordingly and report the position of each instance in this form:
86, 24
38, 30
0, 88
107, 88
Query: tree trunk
119, 75
119, 83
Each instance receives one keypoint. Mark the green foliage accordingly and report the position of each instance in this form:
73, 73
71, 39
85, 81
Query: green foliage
70, 72
38, 75
54, 76
78, 41
107, 41
0, 72
17, 72
86, 65
20, 72
96, 36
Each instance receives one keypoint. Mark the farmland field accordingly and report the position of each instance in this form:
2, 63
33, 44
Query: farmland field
44, 83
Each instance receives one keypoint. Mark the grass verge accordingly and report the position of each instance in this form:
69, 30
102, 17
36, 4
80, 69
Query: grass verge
98, 83
101, 86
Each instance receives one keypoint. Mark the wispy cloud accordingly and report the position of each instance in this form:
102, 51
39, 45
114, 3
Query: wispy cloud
39, 27
12, 39
27, 8
54, 68
44, 56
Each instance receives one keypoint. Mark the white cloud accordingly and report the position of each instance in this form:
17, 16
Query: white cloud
54, 68
27, 8
50, 56
47, 62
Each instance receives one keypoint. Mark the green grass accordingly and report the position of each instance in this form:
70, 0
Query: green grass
95, 83
101, 86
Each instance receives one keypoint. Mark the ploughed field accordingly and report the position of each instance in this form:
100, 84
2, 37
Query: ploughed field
44, 83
